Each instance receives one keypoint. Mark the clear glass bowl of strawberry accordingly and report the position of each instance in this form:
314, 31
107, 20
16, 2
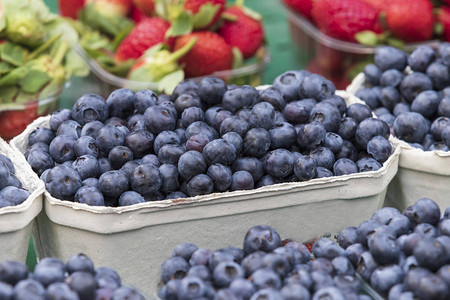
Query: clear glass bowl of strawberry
15, 117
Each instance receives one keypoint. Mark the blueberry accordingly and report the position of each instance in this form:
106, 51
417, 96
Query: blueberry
426, 103
11, 272
79, 262
125, 292
89, 108
305, 168
219, 151
311, 135
413, 84
221, 176
150, 159
242, 288
170, 153
6, 291
430, 254
143, 99
265, 181
49, 270
29, 289
413, 277
423, 211
242, 97
390, 96
298, 112
379, 148
317, 87
63, 182
184, 87
439, 75
4, 175
384, 248
164, 138
86, 145
191, 115
444, 107
337, 101
391, 77
444, 273
324, 247
234, 124
197, 142
370, 128
445, 135
409, 264
136, 122
211, 90
158, 118
262, 238
174, 268
187, 100
169, 178
104, 165
390, 58
140, 143
347, 283
41, 134
384, 278
323, 157
321, 264
176, 195
353, 252
121, 103
369, 96
359, 112
432, 287
256, 142
344, 166
145, 179
420, 58
347, 237
116, 122
234, 139
190, 164
214, 116
348, 151
426, 230
265, 278
400, 224
113, 183
342, 266
347, 128
327, 114
14, 181
201, 128
120, 155
437, 126
69, 128
262, 115
87, 166
288, 84
109, 137
61, 149
279, 163
408, 242
83, 283
130, 198
242, 180
59, 117
384, 215
91, 129
372, 74
107, 278
366, 265
273, 96
321, 280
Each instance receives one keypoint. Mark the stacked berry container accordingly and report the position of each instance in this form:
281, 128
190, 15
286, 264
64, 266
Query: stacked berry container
410, 94
147, 231
20, 202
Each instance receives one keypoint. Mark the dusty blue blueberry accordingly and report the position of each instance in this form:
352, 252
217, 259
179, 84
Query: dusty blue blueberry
109, 137
219, 151
305, 168
370, 128
273, 96
143, 99
63, 182
298, 112
91, 129
242, 97
288, 84
130, 198
369, 96
113, 183
390, 58
444, 107
327, 114
89, 108
413, 84
256, 142
39, 161
158, 118
90, 196
145, 180
317, 87
191, 163
185, 101
86, 145
344, 166
372, 74
420, 58
69, 128
359, 112
121, 103
170, 153
41, 134
439, 75
347, 128
200, 127
211, 90
242, 180
385, 277
391, 77
87, 166
58, 117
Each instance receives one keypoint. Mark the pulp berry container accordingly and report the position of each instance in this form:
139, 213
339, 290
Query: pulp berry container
135, 240
106, 82
420, 173
16, 222
337, 60
14, 117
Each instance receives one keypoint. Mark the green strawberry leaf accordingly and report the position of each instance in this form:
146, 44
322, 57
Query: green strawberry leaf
168, 83
367, 37
181, 25
238, 58
229, 17
14, 76
110, 25
23, 97
120, 69
251, 13
75, 65
7, 94
118, 38
12, 53
5, 67
205, 15
33, 81
438, 28
395, 43
50, 90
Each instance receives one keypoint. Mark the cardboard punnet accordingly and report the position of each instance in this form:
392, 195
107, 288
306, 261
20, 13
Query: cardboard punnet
16, 222
136, 240
420, 173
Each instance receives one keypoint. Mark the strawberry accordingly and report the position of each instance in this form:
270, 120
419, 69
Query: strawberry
303, 7
444, 18
70, 8
411, 21
113, 7
147, 33
343, 19
210, 53
137, 15
195, 6
13, 122
147, 7
379, 5
246, 33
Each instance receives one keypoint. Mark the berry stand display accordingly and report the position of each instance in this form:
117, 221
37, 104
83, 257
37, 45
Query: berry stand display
420, 173
338, 60
17, 222
135, 240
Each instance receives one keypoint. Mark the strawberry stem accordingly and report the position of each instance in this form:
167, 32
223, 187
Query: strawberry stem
229, 17
239, 3
182, 51
61, 52
43, 47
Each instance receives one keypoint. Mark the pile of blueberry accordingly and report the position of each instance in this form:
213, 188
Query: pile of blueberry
11, 191
263, 269
403, 255
53, 280
207, 137
411, 93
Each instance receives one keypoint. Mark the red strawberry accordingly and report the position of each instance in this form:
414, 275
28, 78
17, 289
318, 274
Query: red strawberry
147, 7
147, 33
343, 19
303, 7
112, 7
13, 122
70, 8
137, 15
195, 5
379, 5
245, 33
444, 19
411, 21
210, 53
